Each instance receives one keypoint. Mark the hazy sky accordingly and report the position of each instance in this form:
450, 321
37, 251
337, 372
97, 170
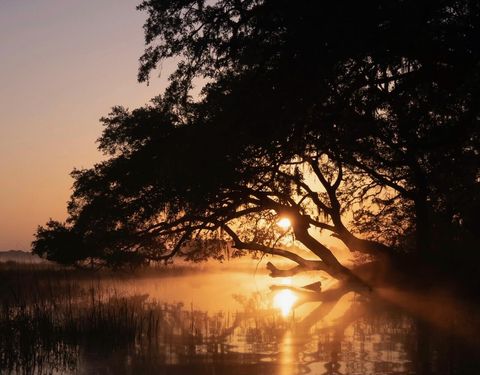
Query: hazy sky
64, 64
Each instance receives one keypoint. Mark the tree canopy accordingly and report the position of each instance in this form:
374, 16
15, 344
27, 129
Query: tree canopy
359, 119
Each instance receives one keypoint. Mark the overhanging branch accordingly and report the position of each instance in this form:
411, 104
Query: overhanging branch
253, 246
310, 265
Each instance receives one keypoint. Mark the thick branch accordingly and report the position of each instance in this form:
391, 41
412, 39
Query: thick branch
322, 225
239, 244
309, 265
363, 246
332, 265
330, 189
339, 179
310, 193
340, 231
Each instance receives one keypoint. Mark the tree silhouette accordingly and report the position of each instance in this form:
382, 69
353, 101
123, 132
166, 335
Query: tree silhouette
315, 111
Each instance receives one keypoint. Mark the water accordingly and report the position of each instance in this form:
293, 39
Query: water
228, 323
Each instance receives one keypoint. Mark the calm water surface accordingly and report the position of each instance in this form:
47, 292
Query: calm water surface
231, 323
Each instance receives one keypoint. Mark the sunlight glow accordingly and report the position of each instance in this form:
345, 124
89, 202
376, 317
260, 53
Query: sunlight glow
284, 300
284, 223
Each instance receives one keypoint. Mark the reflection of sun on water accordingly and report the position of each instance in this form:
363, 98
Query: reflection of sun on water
284, 300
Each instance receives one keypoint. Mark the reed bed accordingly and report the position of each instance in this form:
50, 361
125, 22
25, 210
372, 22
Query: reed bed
49, 315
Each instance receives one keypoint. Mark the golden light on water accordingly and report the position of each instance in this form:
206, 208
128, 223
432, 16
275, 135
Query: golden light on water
284, 300
284, 223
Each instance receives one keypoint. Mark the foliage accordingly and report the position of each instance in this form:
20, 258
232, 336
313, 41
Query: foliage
311, 110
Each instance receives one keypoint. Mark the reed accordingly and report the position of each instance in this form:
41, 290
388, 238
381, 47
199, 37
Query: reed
50, 314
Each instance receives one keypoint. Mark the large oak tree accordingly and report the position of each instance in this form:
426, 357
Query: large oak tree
359, 119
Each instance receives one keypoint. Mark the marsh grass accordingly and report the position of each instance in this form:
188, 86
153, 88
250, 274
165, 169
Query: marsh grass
57, 320
49, 315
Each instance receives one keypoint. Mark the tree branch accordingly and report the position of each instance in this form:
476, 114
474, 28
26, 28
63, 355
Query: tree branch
309, 265
239, 244
340, 231
382, 179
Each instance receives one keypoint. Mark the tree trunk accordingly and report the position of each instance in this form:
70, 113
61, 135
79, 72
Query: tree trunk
332, 265
423, 243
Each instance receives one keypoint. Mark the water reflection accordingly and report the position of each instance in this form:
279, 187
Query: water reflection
288, 355
343, 334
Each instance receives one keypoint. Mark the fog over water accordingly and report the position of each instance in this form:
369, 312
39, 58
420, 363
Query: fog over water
225, 321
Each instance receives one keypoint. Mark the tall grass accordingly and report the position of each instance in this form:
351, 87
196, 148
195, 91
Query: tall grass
49, 315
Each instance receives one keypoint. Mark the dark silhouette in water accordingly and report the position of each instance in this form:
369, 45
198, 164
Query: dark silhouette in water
81, 329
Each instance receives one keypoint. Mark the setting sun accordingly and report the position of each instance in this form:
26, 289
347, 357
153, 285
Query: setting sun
284, 223
284, 301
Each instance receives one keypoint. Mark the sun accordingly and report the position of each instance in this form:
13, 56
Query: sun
284, 223
284, 300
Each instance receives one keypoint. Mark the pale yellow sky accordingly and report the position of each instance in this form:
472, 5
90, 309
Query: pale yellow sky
64, 64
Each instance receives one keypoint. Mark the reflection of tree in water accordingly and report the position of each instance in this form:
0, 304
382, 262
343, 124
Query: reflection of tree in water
373, 343
370, 337
374, 337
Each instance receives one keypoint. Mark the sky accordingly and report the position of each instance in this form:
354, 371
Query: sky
63, 65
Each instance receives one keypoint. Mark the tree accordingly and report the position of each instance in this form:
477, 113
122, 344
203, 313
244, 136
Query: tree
310, 110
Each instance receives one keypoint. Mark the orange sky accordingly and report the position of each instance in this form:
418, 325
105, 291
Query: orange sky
64, 64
